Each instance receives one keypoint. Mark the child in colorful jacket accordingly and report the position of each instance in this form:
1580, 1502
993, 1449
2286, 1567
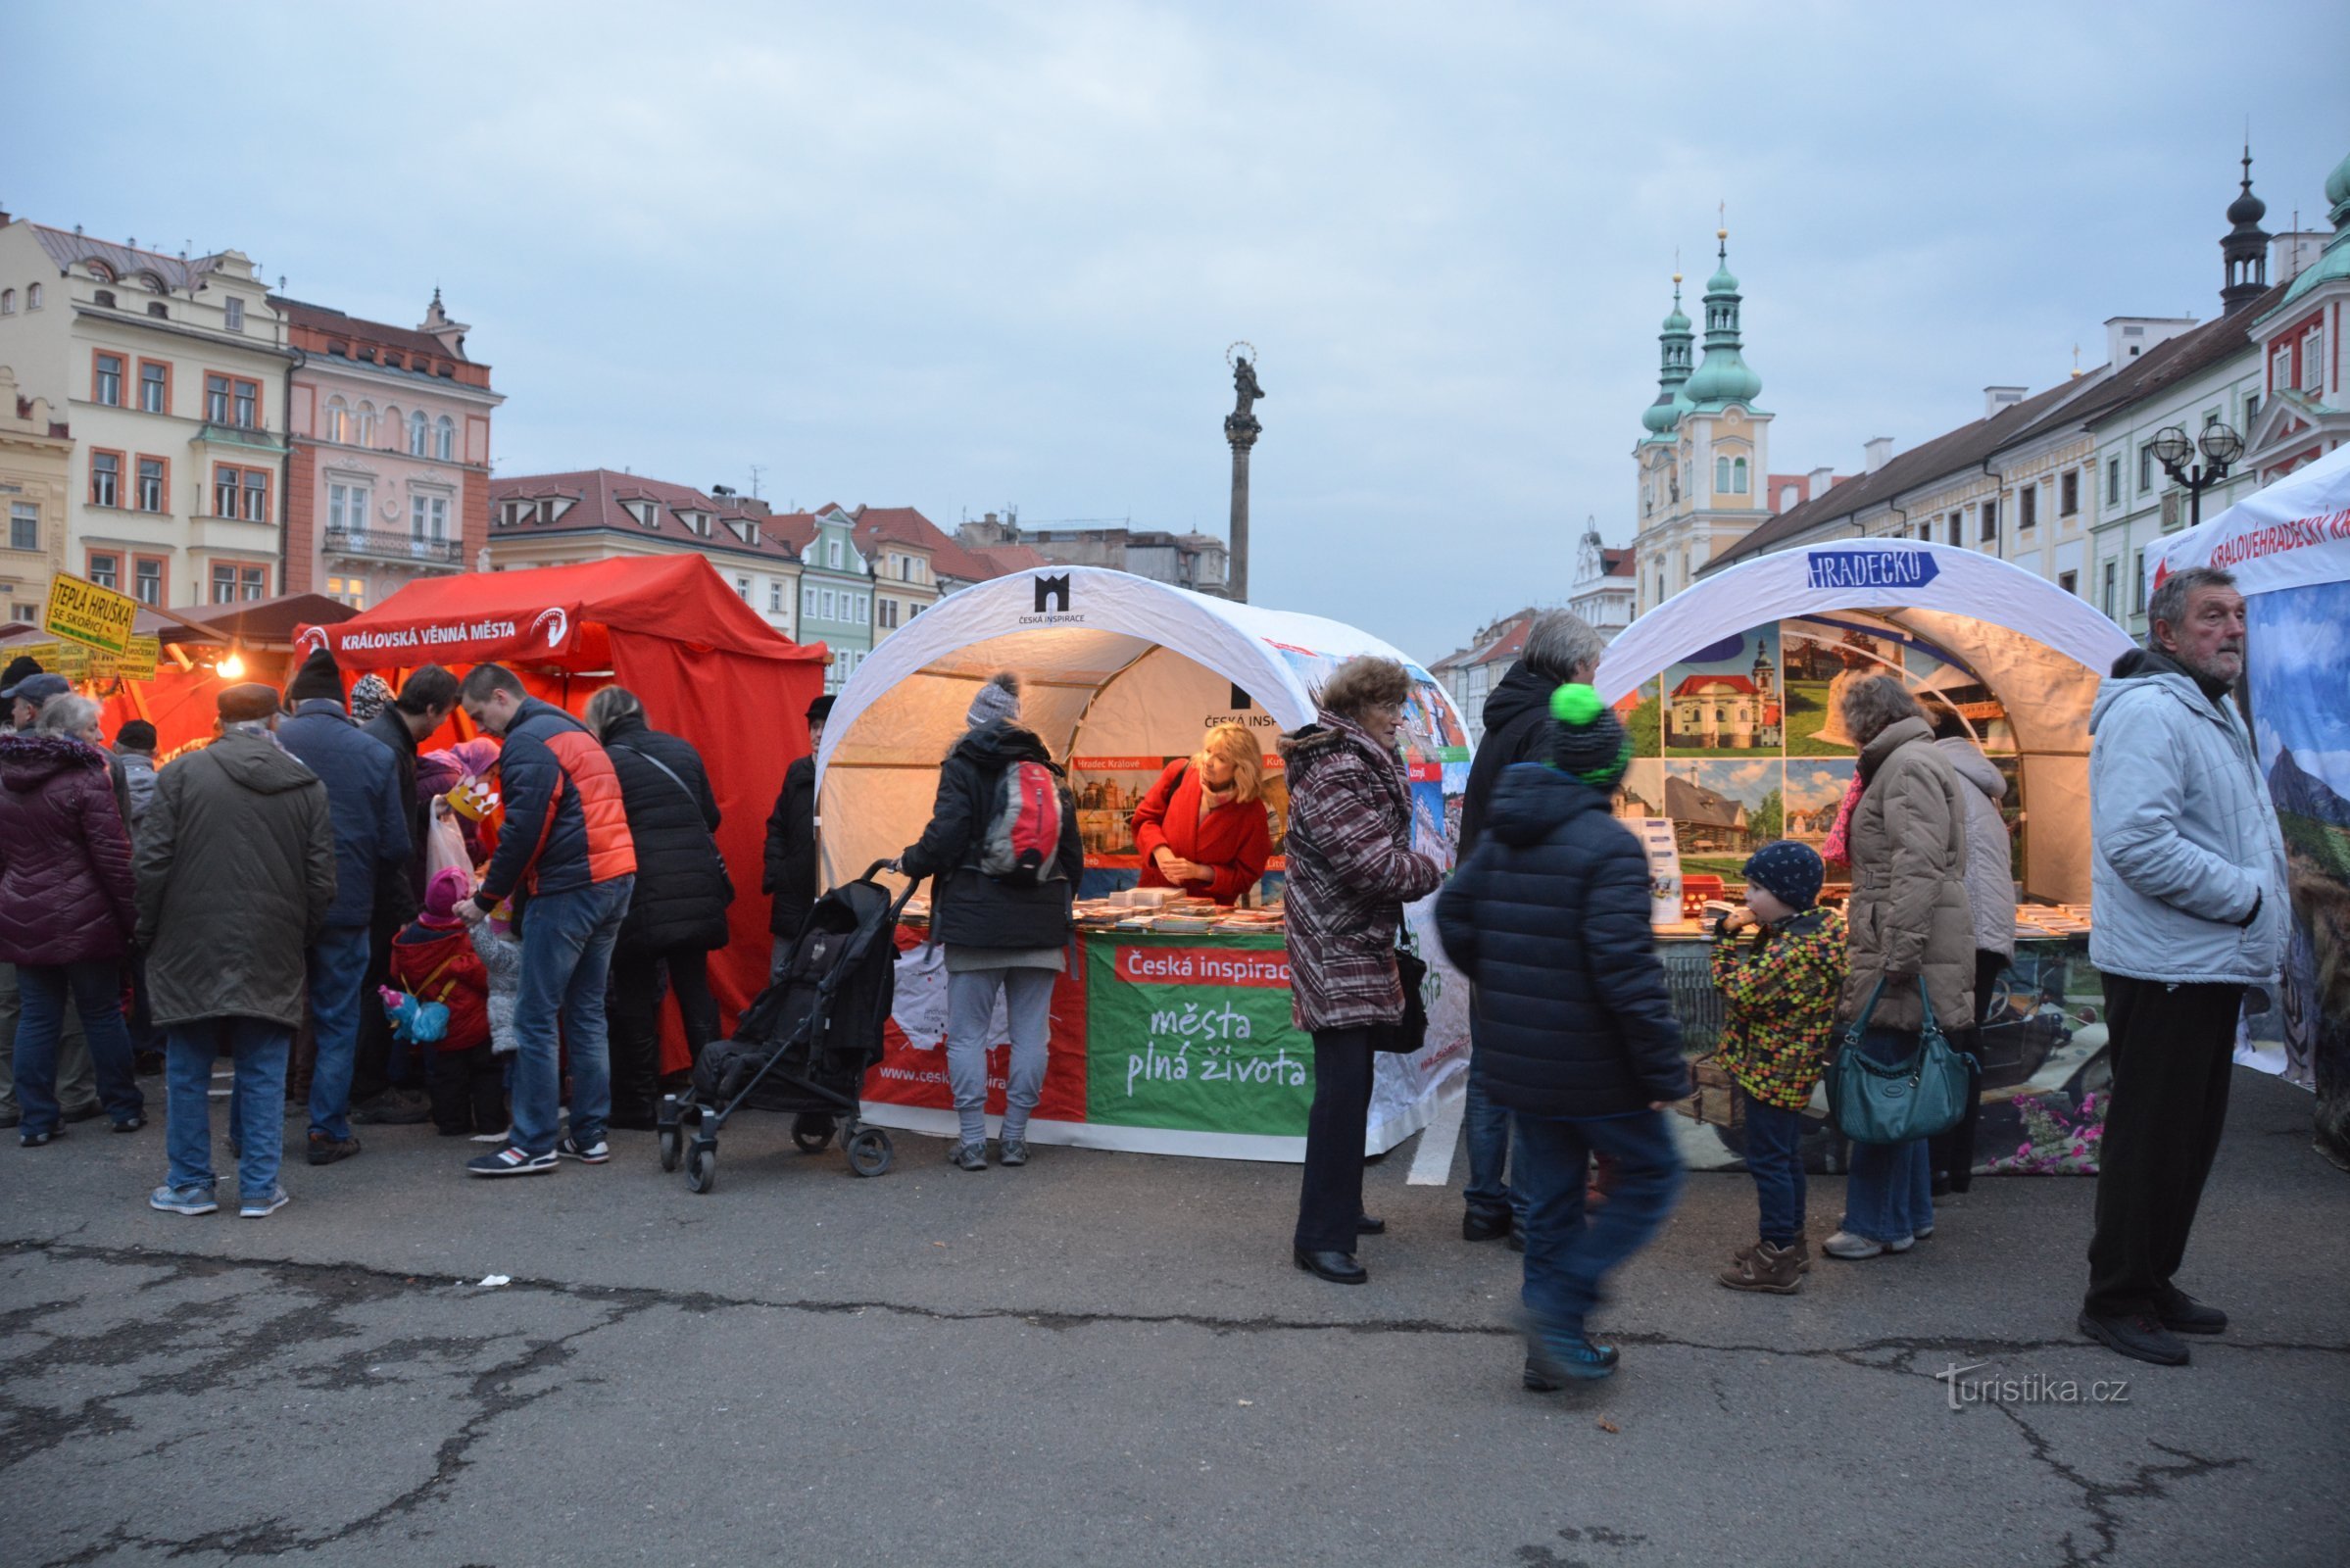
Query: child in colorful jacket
434, 961
1778, 994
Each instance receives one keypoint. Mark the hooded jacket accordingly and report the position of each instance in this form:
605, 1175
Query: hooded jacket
138, 781
1517, 729
64, 856
235, 879
969, 908
566, 826
1352, 871
682, 890
2187, 878
789, 872
1550, 920
362, 798
1909, 914
1990, 857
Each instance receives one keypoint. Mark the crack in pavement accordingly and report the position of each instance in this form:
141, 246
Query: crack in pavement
2148, 1483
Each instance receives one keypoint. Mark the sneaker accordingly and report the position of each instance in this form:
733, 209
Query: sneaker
325, 1150
511, 1161
967, 1156
39, 1140
591, 1154
1012, 1152
2138, 1337
130, 1123
1777, 1270
189, 1200
261, 1205
506, 1136
395, 1107
1851, 1247
1921, 1234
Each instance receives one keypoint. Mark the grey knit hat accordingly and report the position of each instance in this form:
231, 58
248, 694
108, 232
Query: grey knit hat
999, 697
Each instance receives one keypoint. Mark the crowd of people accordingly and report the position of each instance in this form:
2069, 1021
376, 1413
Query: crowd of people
482, 935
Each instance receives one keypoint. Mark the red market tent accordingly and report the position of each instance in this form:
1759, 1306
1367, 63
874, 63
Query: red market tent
706, 664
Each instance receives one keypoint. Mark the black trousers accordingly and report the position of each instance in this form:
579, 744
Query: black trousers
633, 1019
370, 1072
1951, 1154
2172, 1048
1330, 1202
467, 1088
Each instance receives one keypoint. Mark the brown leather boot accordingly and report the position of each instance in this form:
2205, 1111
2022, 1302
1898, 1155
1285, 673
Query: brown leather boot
1801, 1247
1774, 1269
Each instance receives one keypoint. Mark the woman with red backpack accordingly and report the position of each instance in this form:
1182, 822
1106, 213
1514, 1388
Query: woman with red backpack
1005, 855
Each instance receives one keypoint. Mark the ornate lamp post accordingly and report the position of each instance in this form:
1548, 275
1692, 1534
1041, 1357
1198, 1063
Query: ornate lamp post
2221, 447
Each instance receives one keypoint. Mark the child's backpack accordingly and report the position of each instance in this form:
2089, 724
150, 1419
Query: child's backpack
415, 1019
1022, 843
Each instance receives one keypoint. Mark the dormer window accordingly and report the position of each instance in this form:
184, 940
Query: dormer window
102, 273
646, 513
232, 313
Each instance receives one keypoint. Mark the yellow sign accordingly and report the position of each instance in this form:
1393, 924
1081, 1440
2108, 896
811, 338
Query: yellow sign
139, 658
98, 618
69, 660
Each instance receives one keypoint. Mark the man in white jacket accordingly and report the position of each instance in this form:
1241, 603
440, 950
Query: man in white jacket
2189, 883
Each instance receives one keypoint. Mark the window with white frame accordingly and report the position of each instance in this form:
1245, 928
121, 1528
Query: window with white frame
33, 296
24, 525
428, 516
2313, 360
2105, 588
232, 313
366, 419
774, 596
832, 604
147, 580
346, 506
420, 431
742, 587
808, 602
444, 439
333, 425
832, 551
2113, 481
8, 302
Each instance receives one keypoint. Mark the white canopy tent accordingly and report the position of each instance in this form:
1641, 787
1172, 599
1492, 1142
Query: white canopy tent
1112, 664
2040, 650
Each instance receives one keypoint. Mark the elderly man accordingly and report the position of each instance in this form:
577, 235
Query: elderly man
1561, 650
235, 869
2189, 881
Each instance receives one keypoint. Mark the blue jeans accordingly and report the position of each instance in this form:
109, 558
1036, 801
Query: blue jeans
566, 957
1487, 1126
97, 991
1889, 1194
1569, 1251
1775, 1159
255, 1105
338, 967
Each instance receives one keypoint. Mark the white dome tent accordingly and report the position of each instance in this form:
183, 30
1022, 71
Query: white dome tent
2042, 650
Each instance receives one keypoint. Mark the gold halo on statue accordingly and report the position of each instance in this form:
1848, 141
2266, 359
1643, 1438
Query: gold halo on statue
1238, 343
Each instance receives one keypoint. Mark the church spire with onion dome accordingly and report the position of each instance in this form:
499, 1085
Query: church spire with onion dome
1723, 377
1673, 370
2245, 249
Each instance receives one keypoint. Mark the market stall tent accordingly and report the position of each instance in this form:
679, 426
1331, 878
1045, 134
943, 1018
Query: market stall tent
1169, 1043
2041, 650
706, 664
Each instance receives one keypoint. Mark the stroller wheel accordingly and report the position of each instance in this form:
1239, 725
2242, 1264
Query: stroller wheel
701, 1165
812, 1133
672, 1145
870, 1152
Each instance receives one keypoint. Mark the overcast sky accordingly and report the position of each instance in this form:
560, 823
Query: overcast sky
960, 257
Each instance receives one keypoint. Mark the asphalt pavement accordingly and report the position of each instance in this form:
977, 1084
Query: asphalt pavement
1108, 1359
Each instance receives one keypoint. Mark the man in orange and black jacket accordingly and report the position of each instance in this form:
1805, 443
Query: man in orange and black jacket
565, 844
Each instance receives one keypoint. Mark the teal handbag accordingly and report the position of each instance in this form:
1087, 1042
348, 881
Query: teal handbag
1896, 1102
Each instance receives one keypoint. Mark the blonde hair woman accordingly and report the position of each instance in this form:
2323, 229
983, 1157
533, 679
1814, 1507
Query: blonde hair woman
1203, 826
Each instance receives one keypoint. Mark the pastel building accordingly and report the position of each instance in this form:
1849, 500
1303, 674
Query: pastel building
37, 481
390, 429
836, 587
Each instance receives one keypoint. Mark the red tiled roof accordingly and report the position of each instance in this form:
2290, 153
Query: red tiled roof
1616, 563
328, 322
1697, 683
599, 492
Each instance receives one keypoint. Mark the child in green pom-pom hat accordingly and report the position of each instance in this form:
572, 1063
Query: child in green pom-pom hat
1587, 739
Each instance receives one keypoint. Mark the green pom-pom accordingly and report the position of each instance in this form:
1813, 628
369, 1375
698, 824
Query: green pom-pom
1576, 706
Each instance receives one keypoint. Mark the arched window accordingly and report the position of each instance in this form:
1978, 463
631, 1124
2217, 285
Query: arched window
1737, 476
8, 302
33, 296
102, 273
444, 439
336, 426
419, 428
364, 434
1722, 475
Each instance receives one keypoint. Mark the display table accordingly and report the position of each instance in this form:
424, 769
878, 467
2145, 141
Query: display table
1161, 1043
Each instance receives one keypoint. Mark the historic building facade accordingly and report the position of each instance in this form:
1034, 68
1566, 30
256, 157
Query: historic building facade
390, 470
2305, 409
172, 373
836, 588
37, 481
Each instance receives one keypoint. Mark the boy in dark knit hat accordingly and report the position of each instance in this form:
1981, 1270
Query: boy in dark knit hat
1549, 919
1778, 994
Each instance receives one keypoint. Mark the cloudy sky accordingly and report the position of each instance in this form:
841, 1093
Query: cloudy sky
963, 256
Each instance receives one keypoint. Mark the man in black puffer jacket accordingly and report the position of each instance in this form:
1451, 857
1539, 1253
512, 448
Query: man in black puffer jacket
677, 913
1550, 920
1002, 938
1561, 648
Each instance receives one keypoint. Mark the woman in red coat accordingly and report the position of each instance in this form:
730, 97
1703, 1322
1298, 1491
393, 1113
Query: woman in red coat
1203, 827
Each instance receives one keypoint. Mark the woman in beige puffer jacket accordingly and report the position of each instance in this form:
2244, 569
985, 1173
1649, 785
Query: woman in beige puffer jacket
1909, 919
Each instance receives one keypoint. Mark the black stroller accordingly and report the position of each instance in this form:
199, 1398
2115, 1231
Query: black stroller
804, 1045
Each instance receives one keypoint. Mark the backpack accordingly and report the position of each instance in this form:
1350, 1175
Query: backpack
1023, 842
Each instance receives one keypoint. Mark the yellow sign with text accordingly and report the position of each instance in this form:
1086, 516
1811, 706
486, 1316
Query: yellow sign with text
94, 617
138, 660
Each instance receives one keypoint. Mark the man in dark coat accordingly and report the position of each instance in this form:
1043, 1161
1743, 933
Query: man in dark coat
371, 845
387, 1082
790, 875
677, 915
1550, 920
565, 848
235, 877
1561, 648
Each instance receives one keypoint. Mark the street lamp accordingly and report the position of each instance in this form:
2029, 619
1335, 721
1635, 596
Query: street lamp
2221, 447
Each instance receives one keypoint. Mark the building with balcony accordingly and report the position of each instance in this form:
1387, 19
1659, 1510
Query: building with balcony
171, 372
556, 519
390, 430
37, 478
